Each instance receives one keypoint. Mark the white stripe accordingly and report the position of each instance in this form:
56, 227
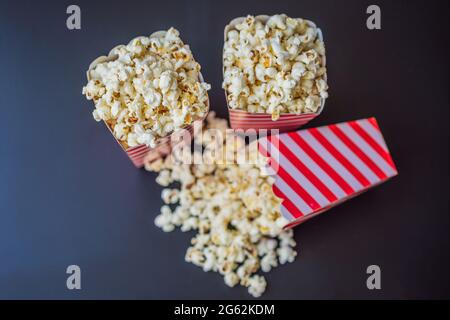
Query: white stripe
263, 142
292, 196
347, 153
315, 169
374, 133
287, 214
330, 160
367, 149
302, 180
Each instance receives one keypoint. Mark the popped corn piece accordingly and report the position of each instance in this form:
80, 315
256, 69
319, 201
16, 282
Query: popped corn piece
286, 254
286, 238
231, 279
170, 196
164, 220
269, 261
274, 67
233, 211
164, 178
150, 89
257, 285
155, 166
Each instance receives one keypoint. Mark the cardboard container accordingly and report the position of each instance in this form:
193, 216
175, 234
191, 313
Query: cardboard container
142, 154
316, 169
240, 119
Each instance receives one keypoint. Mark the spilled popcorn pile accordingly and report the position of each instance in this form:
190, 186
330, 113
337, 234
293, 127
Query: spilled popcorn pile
231, 207
150, 89
274, 66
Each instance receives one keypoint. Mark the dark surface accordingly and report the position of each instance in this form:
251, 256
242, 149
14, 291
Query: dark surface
68, 194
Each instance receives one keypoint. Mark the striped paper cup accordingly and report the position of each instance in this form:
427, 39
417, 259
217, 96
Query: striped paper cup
143, 154
317, 169
240, 119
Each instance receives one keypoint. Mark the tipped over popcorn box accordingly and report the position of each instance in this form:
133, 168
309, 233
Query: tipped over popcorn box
316, 169
149, 93
274, 72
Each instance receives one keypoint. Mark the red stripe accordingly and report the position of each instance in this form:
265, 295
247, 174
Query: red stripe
288, 204
137, 149
138, 158
374, 123
303, 169
321, 163
138, 152
142, 155
370, 141
336, 154
295, 186
294, 224
357, 151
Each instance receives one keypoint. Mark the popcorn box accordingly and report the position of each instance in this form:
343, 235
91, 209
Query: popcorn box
240, 119
316, 169
142, 154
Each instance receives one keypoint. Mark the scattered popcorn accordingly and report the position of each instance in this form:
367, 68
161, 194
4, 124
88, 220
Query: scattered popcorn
151, 89
233, 211
231, 279
164, 178
170, 196
274, 67
257, 285
164, 219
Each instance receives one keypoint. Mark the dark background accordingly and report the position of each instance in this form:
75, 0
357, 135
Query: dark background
69, 195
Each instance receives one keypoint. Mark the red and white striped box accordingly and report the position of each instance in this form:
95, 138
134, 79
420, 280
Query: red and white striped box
240, 119
316, 169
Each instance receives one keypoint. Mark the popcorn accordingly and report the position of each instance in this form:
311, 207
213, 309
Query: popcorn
164, 219
269, 261
147, 89
274, 67
233, 211
257, 285
170, 196
164, 178
231, 279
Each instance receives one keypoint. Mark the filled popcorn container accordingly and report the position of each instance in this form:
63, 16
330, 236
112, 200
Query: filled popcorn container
274, 72
149, 93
